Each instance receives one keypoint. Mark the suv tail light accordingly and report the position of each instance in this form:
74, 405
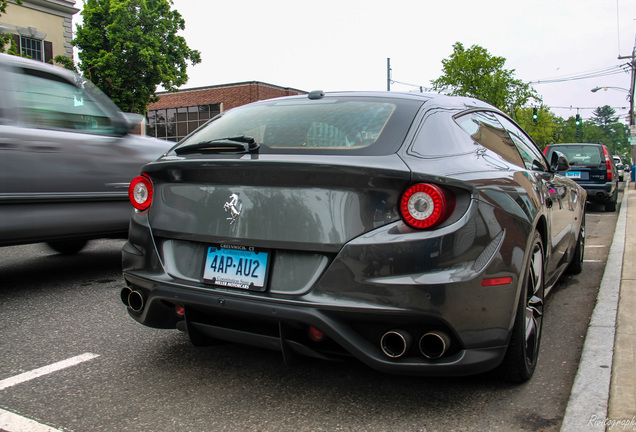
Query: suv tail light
140, 192
425, 205
608, 164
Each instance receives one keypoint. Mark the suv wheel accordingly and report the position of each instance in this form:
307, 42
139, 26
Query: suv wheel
610, 206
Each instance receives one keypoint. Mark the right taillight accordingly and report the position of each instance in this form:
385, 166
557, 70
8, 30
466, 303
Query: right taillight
426, 205
608, 164
140, 192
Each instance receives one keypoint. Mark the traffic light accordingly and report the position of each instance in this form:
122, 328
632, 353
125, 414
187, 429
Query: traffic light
577, 121
535, 115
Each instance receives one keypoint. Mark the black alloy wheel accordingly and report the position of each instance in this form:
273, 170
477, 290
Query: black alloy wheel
520, 360
576, 265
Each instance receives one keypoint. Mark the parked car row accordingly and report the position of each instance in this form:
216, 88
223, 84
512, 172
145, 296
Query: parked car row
621, 167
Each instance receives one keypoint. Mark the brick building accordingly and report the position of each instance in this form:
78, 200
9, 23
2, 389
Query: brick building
177, 114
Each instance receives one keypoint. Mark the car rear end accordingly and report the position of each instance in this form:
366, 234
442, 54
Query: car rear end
591, 166
320, 243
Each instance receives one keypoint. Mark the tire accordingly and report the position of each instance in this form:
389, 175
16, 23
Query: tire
611, 205
521, 357
576, 265
67, 247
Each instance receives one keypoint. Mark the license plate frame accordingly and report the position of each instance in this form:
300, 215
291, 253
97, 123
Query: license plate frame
239, 267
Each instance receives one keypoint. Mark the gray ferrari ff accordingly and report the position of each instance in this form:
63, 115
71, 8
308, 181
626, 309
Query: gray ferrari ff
417, 233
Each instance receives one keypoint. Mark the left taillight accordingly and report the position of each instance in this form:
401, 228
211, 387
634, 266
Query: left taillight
140, 192
426, 205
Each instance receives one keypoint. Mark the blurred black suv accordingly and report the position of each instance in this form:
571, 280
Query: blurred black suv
592, 166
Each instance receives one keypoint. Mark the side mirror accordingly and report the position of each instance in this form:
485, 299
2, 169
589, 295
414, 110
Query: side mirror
132, 120
559, 162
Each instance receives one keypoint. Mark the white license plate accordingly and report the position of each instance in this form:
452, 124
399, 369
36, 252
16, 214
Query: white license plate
236, 267
573, 174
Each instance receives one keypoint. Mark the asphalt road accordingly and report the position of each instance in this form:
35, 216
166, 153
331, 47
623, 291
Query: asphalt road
54, 308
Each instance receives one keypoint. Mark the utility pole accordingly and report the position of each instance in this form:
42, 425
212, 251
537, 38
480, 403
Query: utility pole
388, 74
632, 87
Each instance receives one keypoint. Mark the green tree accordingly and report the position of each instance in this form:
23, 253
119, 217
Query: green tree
129, 47
545, 130
6, 38
604, 116
474, 72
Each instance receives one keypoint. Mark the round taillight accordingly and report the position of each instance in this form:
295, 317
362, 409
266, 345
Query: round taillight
425, 205
140, 192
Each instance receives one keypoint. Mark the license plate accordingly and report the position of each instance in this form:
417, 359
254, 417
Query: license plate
240, 267
573, 174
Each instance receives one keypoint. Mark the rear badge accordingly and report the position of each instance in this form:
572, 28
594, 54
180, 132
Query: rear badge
234, 206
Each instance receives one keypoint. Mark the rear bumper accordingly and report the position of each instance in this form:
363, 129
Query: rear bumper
600, 192
279, 326
423, 282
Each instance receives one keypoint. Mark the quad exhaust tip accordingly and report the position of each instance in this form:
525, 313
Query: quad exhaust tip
434, 344
133, 299
395, 343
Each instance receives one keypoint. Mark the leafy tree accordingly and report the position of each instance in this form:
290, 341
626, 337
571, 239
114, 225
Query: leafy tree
65, 62
604, 116
474, 72
129, 47
5, 38
545, 130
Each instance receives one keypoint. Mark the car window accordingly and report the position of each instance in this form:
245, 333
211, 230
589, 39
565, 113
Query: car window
49, 102
356, 126
530, 153
484, 128
581, 154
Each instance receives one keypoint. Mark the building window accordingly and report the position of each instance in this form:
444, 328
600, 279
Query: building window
31, 48
175, 123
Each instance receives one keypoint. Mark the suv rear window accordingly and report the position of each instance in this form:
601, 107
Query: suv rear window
591, 155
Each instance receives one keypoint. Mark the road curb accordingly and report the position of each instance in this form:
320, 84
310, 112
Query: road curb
588, 405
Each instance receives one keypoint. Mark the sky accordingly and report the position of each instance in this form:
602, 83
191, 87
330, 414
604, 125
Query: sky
344, 44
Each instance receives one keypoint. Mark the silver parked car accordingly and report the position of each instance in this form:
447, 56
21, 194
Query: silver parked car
66, 157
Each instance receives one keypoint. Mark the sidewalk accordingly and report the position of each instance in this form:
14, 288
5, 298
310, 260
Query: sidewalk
604, 392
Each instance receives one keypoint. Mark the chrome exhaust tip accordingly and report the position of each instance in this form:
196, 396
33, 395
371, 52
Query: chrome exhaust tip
125, 293
135, 301
434, 344
395, 343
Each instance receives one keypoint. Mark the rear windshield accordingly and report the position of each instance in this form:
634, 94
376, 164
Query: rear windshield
362, 125
580, 154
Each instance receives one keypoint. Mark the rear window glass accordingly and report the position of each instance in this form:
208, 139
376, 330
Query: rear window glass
359, 125
580, 154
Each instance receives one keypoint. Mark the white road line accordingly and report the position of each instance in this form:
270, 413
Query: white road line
11, 422
23, 377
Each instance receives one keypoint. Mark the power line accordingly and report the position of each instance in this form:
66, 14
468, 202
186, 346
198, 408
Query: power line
612, 70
